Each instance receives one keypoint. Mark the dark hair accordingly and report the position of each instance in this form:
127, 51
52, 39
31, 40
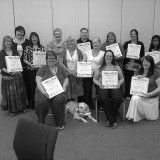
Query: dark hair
51, 53
151, 68
30, 39
19, 28
134, 30
151, 45
84, 29
104, 59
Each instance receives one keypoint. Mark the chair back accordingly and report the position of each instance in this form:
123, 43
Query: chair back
34, 141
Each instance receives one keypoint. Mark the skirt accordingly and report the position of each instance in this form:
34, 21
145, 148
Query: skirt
142, 108
14, 97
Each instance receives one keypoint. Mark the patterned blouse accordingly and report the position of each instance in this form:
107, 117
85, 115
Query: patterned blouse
28, 54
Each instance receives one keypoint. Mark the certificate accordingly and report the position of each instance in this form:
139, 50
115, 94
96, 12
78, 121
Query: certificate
110, 79
84, 46
155, 55
52, 86
133, 51
115, 48
13, 64
84, 69
39, 58
139, 86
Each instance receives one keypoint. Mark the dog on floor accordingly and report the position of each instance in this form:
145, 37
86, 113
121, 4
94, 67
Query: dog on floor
79, 111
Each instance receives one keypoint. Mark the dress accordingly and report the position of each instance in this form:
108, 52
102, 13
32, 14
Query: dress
14, 96
75, 88
31, 74
144, 108
57, 103
129, 69
88, 82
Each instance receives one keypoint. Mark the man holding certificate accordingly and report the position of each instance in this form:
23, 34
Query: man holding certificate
131, 64
145, 105
110, 95
45, 96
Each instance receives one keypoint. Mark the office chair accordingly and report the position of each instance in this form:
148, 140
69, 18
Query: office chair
34, 141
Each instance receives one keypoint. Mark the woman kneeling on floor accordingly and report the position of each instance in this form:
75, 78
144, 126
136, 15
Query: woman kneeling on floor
146, 106
42, 100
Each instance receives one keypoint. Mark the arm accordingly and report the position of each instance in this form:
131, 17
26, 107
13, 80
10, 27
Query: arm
84, 58
122, 51
40, 87
121, 77
65, 84
96, 77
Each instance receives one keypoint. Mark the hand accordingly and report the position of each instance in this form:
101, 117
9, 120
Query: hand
140, 76
46, 94
147, 95
118, 86
64, 88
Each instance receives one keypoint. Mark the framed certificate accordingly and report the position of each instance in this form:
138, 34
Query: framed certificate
52, 86
139, 86
115, 48
13, 64
155, 55
84, 69
133, 51
110, 79
84, 46
39, 58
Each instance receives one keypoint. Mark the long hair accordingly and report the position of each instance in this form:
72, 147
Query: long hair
134, 30
4, 40
104, 64
113, 34
152, 46
30, 39
151, 68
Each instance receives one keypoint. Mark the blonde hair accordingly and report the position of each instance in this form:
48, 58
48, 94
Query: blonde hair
4, 40
71, 39
57, 30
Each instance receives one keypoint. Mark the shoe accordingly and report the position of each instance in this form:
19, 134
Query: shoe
61, 128
24, 111
12, 114
114, 126
108, 124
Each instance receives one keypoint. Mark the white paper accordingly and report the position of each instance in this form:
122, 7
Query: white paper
84, 69
13, 64
139, 86
52, 86
155, 55
133, 51
84, 46
39, 58
110, 79
115, 48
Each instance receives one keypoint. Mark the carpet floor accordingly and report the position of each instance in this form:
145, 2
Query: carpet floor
91, 141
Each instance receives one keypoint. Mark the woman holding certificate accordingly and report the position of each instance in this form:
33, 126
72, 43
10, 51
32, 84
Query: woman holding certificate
145, 106
70, 57
111, 43
95, 57
134, 52
14, 98
43, 100
33, 48
108, 78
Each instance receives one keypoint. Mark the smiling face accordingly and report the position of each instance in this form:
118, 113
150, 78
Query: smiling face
57, 35
71, 43
146, 64
96, 43
51, 60
108, 57
111, 38
133, 35
34, 39
19, 34
8, 42
155, 42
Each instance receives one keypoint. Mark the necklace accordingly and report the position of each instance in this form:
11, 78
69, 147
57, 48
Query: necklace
53, 70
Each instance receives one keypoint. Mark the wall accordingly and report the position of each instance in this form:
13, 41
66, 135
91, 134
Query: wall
100, 16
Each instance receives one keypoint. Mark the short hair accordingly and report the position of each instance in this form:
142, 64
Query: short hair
113, 35
97, 39
50, 53
20, 28
30, 39
57, 30
134, 30
84, 29
151, 45
4, 40
69, 39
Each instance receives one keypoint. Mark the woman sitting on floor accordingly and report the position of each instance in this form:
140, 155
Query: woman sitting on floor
42, 100
146, 106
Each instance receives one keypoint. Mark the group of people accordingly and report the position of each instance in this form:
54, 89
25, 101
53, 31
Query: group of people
24, 89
